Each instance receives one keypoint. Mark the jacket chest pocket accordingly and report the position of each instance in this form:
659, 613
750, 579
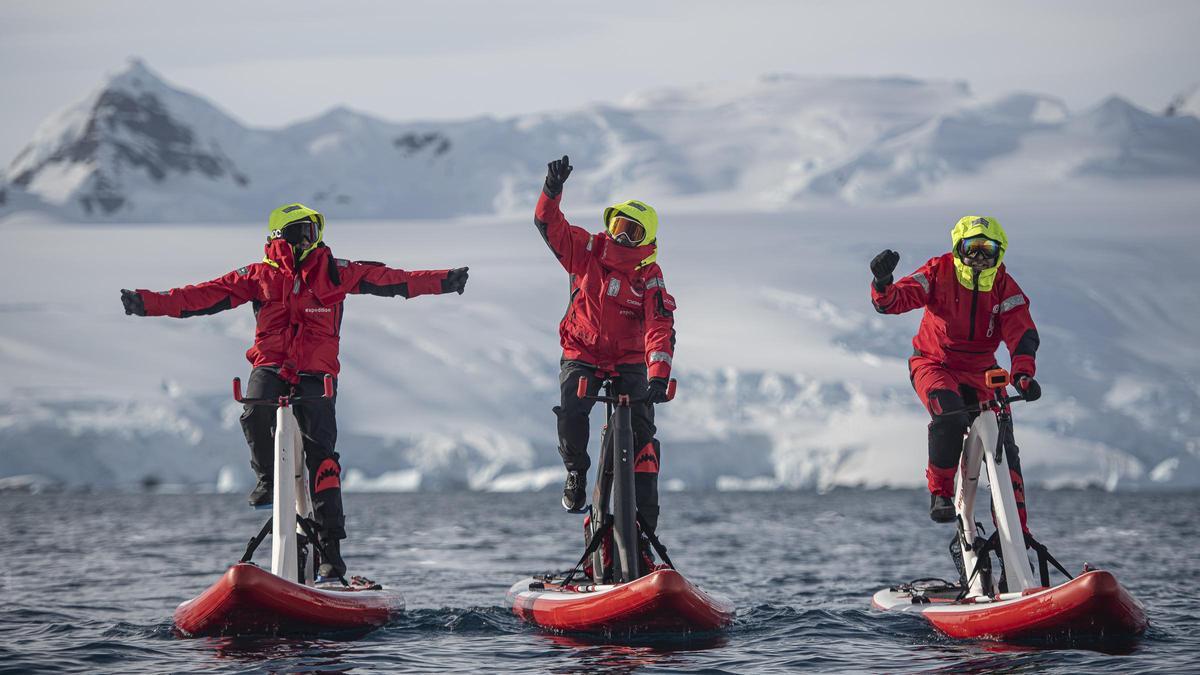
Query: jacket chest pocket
623, 299
319, 317
623, 312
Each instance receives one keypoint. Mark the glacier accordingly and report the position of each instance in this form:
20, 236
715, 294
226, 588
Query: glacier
788, 379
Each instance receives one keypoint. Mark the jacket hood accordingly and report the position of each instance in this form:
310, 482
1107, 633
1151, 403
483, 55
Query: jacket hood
644, 214
290, 213
974, 226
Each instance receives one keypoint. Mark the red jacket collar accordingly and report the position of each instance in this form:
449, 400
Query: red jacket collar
280, 254
622, 258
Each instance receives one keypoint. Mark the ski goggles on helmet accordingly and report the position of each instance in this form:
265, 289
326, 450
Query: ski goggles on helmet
299, 230
625, 230
979, 247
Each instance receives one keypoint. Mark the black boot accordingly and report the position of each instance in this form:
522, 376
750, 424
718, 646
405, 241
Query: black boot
332, 565
263, 494
941, 509
574, 492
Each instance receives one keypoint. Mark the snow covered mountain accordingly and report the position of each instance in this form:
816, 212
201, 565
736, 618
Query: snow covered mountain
139, 150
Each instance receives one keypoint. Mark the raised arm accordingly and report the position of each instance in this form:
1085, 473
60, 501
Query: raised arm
210, 297
909, 293
571, 245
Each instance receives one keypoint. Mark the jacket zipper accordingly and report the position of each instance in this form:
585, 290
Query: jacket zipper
974, 300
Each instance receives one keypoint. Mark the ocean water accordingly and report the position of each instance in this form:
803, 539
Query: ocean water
89, 583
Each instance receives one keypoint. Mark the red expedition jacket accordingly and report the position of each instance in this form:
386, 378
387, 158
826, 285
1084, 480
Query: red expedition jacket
962, 328
299, 312
619, 313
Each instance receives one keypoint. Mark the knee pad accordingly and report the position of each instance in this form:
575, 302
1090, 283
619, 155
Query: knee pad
947, 429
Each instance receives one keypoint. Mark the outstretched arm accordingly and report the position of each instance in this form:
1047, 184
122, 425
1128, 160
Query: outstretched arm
570, 244
909, 293
210, 297
374, 278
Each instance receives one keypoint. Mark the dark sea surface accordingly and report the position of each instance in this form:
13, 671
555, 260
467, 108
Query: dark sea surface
89, 583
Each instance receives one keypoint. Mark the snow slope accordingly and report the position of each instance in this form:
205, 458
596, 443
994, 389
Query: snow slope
788, 379
139, 150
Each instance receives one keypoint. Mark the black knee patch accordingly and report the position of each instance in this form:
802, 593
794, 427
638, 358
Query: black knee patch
947, 429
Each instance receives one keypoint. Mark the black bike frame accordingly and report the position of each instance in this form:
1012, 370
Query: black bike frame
615, 498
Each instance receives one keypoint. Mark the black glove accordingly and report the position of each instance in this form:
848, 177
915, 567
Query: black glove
133, 302
882, 267
455, 281
656, 390
1028, 387
556, 174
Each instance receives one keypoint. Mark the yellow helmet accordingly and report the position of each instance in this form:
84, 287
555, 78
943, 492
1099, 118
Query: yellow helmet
977, 226
290, 213
644, 214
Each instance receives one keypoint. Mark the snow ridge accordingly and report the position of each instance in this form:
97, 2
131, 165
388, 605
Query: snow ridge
139, 150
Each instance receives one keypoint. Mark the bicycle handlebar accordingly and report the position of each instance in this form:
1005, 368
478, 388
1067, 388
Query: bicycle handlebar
1001, 401
282, 400
581, 388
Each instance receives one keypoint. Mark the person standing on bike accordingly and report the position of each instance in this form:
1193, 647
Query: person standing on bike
297, 293
972, 304
619, 321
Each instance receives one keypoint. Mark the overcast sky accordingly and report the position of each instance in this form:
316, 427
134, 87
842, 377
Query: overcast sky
270, 62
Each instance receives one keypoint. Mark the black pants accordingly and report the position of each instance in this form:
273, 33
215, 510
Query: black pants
318, 427
573, 429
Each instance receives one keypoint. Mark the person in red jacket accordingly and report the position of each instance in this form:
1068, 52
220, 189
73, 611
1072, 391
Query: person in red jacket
619, 321
972, 304
297, 293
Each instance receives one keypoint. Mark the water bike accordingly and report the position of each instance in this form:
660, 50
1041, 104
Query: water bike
1013, 606
616, 587
289, 599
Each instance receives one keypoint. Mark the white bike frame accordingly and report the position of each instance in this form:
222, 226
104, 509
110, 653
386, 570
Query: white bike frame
291, 498
983, 449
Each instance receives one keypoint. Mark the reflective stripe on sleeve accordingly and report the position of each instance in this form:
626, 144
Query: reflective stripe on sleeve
1012, 302
920, 279
656, 282
660, 356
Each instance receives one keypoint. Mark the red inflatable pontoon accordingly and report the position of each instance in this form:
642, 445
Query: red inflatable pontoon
662, 601
248, 600
1093, 604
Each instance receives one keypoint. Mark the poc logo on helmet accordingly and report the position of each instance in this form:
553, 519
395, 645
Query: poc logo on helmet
982, 222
